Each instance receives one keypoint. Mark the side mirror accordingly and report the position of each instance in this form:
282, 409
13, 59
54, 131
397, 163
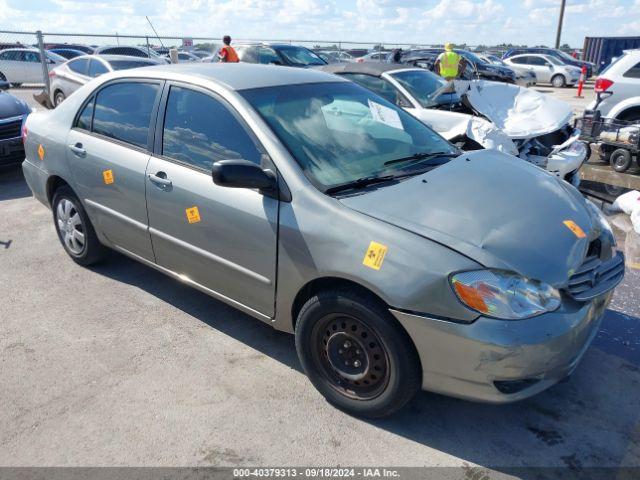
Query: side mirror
242, 174
4, 85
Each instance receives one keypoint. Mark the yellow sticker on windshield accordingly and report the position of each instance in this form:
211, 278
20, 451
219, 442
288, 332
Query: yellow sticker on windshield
193, 215
107, 176
374, 256
41, 152
575, 228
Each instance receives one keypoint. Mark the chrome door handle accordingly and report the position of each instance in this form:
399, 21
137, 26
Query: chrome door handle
78, 150
158, 180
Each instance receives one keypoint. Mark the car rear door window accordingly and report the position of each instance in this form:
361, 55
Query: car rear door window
633, 72
96, 68
78, 66
123, 111
200, 130
32, 57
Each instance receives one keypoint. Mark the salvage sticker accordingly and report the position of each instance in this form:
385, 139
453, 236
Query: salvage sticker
193, 215
386, 115
107, 176
41, 152
575, 228
374, 256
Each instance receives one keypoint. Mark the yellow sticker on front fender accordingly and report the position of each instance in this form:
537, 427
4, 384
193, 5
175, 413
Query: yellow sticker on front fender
41, 152
374, 255
575, 228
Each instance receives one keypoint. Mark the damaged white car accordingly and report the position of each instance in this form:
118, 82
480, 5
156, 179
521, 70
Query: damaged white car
479, 114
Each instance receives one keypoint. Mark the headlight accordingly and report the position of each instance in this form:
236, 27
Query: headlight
504, 295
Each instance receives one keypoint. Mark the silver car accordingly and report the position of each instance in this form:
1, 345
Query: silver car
68, 77
318, 207
548, 69
23, 65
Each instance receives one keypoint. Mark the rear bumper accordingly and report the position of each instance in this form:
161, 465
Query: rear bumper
500, 361
36, 178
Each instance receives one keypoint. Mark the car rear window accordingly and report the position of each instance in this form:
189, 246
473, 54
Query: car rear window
79, 66
127, 64
123, 111
633, 72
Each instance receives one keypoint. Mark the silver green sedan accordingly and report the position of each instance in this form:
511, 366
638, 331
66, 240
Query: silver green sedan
318, 207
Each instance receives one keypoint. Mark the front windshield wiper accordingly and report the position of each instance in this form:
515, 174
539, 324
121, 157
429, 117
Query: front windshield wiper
360, 183
423, 156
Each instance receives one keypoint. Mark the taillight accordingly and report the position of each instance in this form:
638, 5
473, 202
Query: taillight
602, 85
24, 132
52, 73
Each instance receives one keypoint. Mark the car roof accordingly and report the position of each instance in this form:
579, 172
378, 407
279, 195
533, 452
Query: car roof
267, 44
104, 47
20, 49
367, 68
234, 76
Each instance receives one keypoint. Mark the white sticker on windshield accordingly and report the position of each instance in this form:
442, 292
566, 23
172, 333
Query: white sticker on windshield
386, 115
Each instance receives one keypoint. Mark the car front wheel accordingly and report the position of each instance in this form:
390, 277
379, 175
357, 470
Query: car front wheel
558, 81
356, 353
74, 228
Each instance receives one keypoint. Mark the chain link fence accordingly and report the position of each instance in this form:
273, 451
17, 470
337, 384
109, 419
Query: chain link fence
26, 58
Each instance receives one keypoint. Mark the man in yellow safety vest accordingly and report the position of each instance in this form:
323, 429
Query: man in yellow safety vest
448, 63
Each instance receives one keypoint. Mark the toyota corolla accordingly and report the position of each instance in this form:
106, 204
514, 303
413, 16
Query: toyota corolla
312, 204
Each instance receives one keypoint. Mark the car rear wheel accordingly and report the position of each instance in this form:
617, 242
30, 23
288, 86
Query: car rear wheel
74, 228
558, 81
356, 354
58, 98
621, 160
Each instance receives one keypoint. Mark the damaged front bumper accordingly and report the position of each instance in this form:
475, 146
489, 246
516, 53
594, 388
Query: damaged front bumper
500, 361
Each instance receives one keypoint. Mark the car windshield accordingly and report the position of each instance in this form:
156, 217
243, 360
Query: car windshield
54, 56
341, 132
300, 56
127, 64
471, 57
421, 84
554, 60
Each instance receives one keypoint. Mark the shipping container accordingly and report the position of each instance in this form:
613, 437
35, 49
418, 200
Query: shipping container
601, 50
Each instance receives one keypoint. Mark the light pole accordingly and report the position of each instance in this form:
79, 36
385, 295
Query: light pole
559, 32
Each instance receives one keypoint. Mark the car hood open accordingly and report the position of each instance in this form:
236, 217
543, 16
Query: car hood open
493, 208
521, 113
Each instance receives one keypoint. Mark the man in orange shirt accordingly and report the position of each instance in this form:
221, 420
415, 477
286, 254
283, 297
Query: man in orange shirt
228, 53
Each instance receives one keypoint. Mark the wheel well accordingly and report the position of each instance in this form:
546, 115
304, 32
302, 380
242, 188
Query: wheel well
558, 75
53, 183
326, 283
633, 112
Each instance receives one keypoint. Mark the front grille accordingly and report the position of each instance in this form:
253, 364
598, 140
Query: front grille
10, 129
595, 277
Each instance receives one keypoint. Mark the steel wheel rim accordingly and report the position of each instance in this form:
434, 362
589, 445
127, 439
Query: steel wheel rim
620, 161
363, 381
70, 226
59, 98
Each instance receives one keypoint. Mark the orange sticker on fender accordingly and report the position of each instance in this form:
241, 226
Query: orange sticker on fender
575, 228
193, 215
374, 256
107, 176
41, 152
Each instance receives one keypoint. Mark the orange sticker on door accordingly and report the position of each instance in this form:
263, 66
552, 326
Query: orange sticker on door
193, 215
374, 256
575, 228
41, 152
107, 176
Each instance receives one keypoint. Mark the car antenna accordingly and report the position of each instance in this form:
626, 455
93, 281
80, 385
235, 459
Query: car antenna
154, 31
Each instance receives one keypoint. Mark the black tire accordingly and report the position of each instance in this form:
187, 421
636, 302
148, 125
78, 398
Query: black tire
620, 160
390, 368
92, 250
558, 81
58, 98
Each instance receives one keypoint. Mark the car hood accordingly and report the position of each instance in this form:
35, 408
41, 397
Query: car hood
11, 106
493, 208
521, 113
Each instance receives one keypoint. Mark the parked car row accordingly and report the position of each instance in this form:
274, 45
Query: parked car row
402, 262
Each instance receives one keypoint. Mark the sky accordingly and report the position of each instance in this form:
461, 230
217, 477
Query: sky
473, 22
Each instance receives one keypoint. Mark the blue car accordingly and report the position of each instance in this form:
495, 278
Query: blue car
67, 53
554, 52
13, 112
